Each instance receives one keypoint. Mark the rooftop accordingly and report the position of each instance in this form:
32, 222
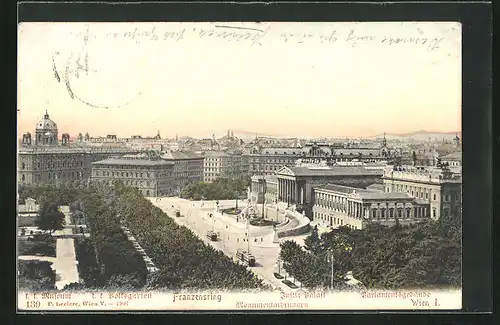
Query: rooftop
280, 151
215, 154
423, 174
329, 171
71, 149
364, 193
174, 155
132, 162
453, 156
271, 178
375, 187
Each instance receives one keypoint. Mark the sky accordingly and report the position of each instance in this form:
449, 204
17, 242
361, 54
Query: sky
283, 79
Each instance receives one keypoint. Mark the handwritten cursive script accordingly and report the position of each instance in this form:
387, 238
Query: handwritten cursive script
352, 37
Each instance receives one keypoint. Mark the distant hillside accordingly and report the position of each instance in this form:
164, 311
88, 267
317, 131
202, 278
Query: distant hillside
420, 135
241, 134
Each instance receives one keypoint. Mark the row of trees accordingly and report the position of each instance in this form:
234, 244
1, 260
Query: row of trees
422, 255
110, 260
119, 264
220, 189
63, 194
183, 259
321, 263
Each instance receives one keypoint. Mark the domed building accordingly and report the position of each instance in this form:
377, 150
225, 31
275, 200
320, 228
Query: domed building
46, 162
46, 132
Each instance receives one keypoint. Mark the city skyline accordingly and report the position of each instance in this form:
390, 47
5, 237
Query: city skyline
248, 134
404, 87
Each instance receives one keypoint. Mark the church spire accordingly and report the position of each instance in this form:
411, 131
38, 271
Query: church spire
46, 116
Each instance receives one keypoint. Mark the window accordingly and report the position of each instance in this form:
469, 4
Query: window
22, 178
22, 165
434, 213
434, 197
426, 196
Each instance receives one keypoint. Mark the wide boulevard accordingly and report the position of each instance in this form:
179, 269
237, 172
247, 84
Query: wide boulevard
202, 217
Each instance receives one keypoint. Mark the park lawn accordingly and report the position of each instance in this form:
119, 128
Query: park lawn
44, 247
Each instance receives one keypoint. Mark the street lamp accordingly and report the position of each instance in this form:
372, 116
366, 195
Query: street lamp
331, 274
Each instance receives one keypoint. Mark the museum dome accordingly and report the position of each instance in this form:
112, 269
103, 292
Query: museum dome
46, 124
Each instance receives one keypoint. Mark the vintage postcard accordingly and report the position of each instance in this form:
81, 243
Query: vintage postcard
239, 166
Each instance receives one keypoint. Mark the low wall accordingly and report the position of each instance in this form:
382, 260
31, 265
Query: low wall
273, 214
150, 266
300, 229
283, 224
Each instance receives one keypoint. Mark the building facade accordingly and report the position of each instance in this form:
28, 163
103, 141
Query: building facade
152, 175
267, 161
336, 206
188, 168
271, 195
264, 189
220, 164
57, 166
38, 165
49, 161
341, 153
453, 159
439, 187
295, 184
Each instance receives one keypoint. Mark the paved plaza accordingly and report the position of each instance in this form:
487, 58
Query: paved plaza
196, 216
65, 263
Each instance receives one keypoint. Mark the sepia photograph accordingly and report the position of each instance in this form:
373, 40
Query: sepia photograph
239, 166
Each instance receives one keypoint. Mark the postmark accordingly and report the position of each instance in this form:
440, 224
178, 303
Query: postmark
77, 71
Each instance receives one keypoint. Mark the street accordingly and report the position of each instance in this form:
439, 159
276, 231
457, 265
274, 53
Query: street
233, 234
